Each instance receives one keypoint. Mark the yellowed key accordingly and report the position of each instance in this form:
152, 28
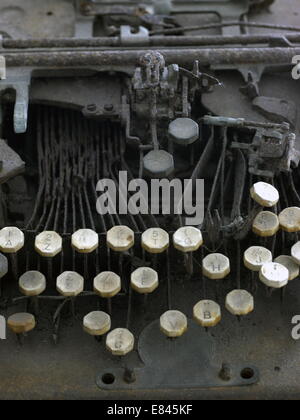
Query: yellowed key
70, 284
11, 240
266, 224
290, 264
96, 323
120, 238
264, 194
155, 240
120, 342
32, 283
289, 219
48, 244
85, 241
144, 280
187, 239
295, 252
239, 302
173, 323
21, 323
274, 275
207, 313
216, 266
107, 284
256, 256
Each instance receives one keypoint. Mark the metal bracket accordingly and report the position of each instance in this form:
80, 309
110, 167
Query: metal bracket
127, 37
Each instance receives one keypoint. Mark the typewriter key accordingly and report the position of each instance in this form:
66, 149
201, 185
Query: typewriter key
295, 252
70, 284
144, 280
120, 342
21, 323
107, 284
239, 302
3, 266
266, 224
290, 264
216, 266
48, 244
289, 219
173, 324
264, 194
256, 256
187, 239
11, 240
155, 240
274, 275
183, 131
32, 283
96, 323
120, 238
85, 241
207, 313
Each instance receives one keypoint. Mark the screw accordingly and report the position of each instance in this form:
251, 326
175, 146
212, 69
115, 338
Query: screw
225, 372
109, 107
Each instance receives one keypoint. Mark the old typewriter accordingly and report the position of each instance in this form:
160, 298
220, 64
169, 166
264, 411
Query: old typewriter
122, 304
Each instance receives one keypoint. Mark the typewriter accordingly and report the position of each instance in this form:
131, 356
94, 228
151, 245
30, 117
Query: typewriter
101, 296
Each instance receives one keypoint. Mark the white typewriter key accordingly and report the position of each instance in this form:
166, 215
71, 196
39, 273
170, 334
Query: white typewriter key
120, 342
256, 256
11, 240
266, 224
216, 266
290, 264
289, 219
3, 266
155, 240
144, 280
70, 284
295, 252
239, 302
264, 194
32, 283
173, 323
274, 275
107, 284
120, 238
207, 313
85, 241
187, 239
48, 244
21, 323
96, 323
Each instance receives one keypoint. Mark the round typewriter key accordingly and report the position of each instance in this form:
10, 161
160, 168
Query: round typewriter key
48, 244
216, 266
96, 323
85, 241
158, 164
266, 224
295, 252
289, 219
290, 264
3, 266
21, 323
184, 131
264, 194
187, 239
107, 284
173, 323
155, 240
11, 240
32, 283
207, 313
239, 302
70, 284
144, 280
256, 256
120, 238
120, 342
274, 275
